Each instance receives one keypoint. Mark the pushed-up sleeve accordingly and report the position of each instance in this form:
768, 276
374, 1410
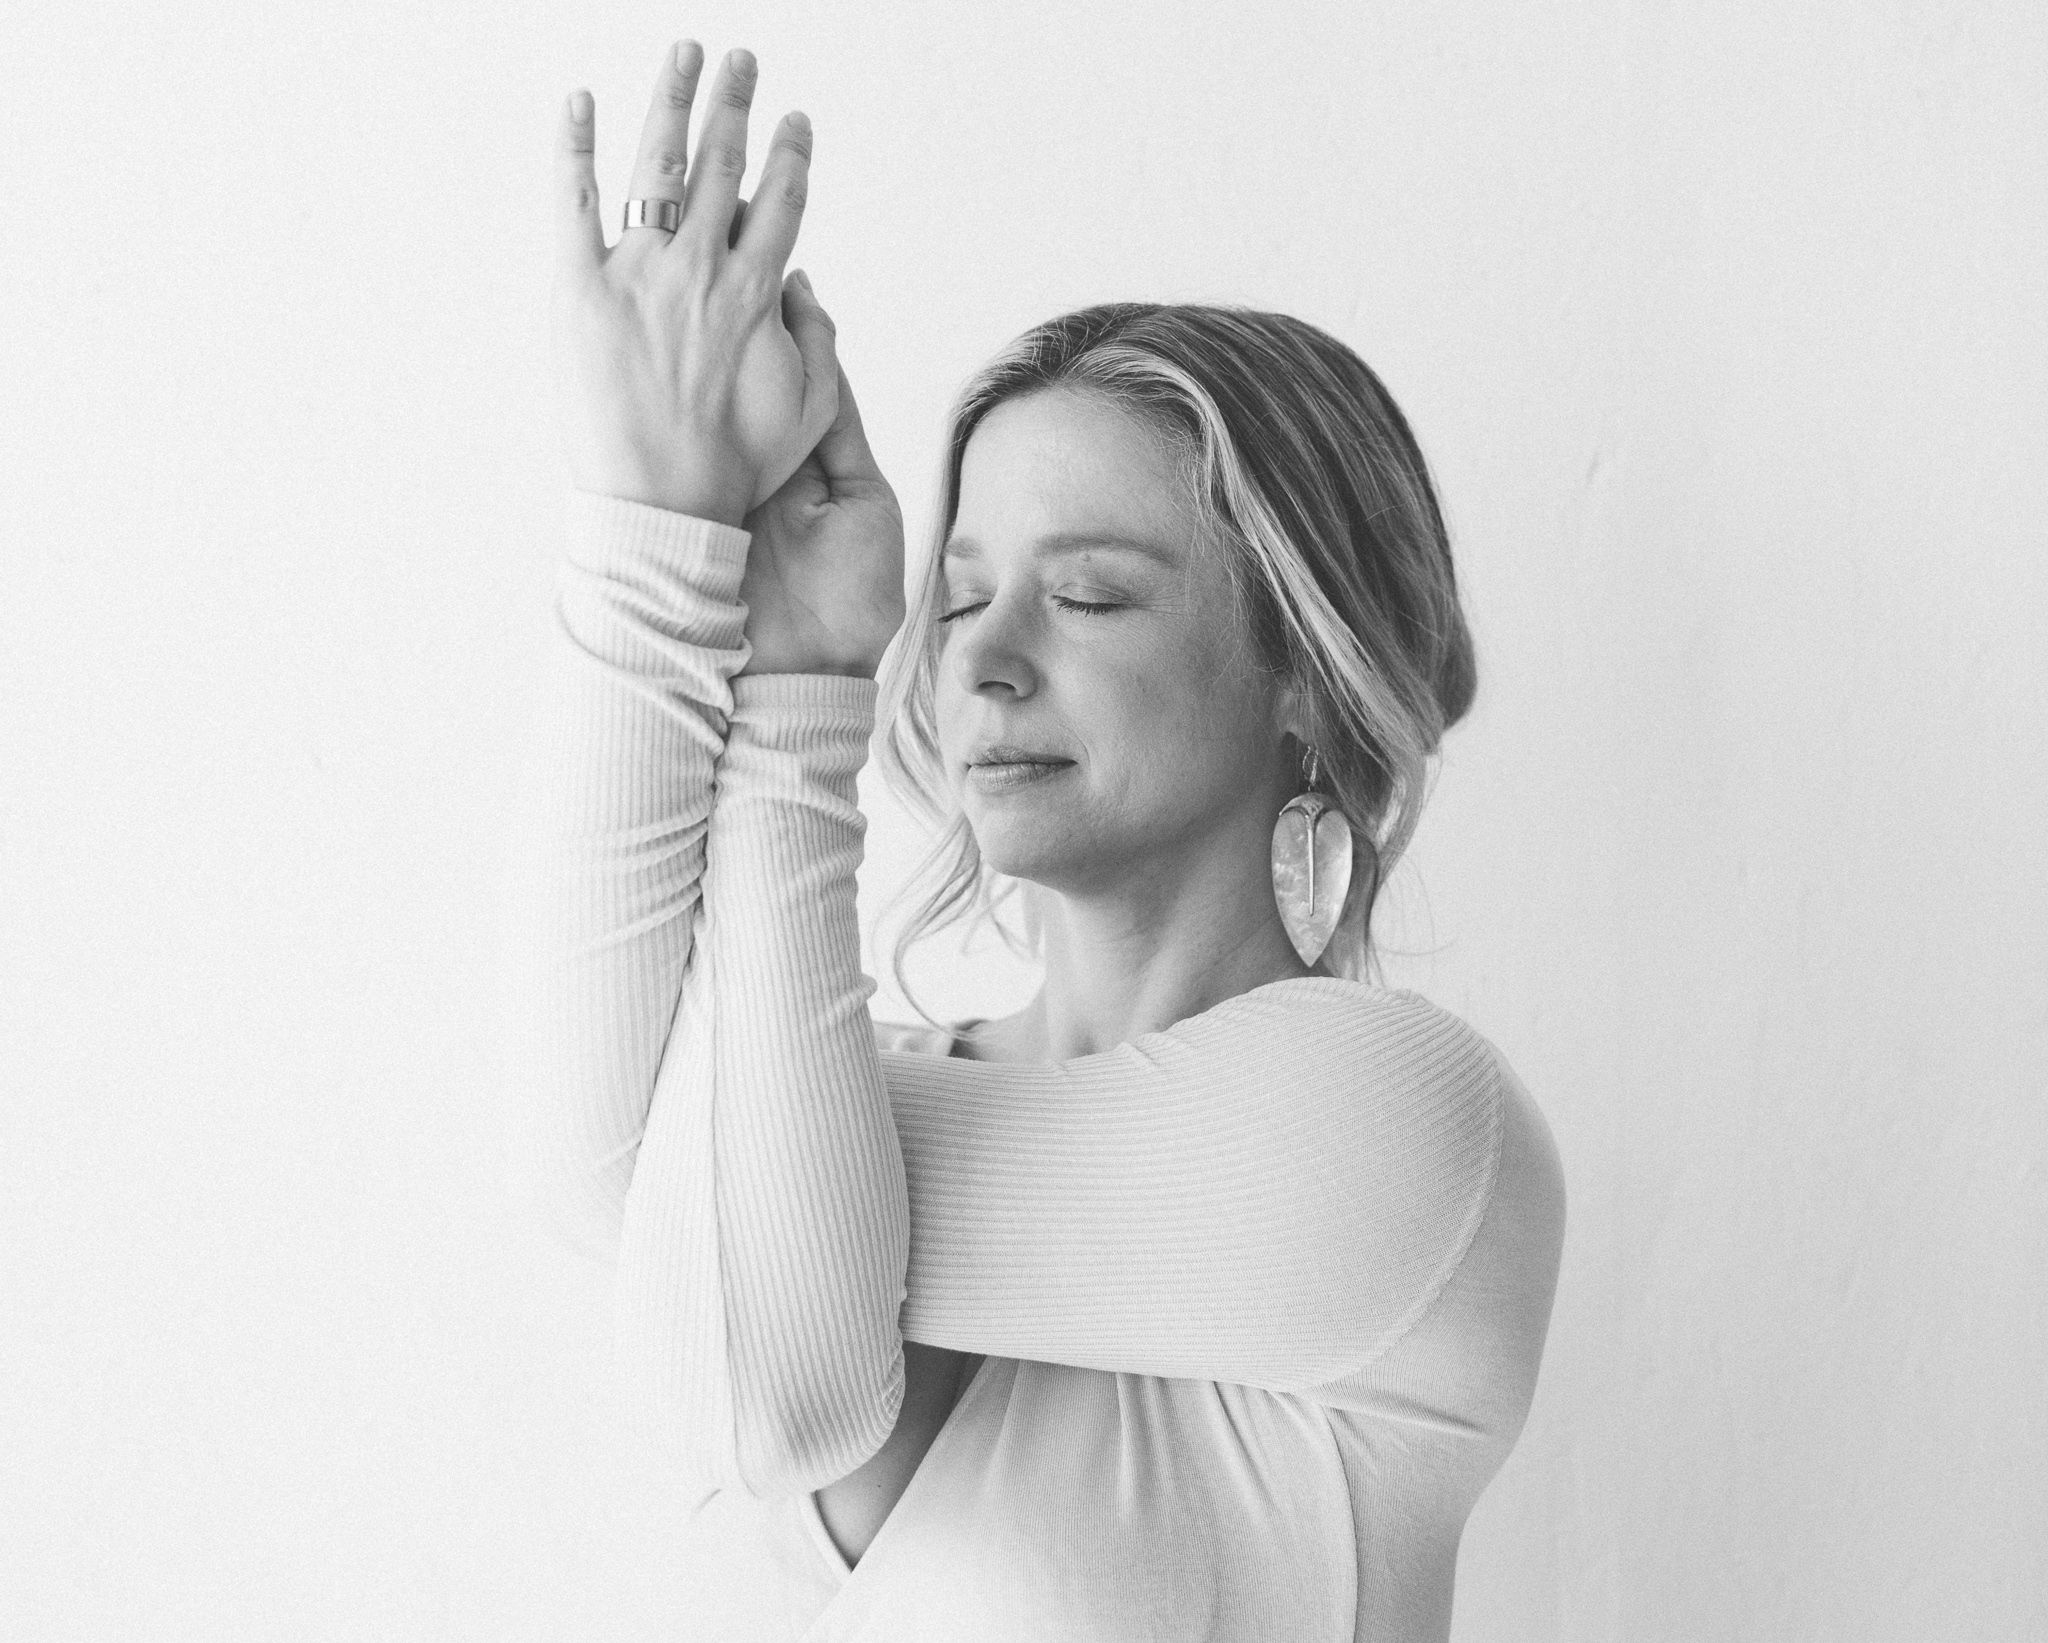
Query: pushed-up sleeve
1269, 1193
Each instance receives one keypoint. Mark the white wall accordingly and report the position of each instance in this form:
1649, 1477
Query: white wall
1723, 328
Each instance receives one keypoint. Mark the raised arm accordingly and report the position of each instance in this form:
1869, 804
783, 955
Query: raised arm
684, 400
710, 1103
1269, 1193
708, 1098
647, 635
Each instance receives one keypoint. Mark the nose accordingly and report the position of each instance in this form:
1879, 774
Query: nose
995, 649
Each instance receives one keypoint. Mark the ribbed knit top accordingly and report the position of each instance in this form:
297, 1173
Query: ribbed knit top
1261, 1296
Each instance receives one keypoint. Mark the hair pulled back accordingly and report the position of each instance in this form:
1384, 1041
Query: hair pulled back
1305, 472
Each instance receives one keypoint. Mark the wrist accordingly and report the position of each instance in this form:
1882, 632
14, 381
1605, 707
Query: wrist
719, 492
759, 667
719, 508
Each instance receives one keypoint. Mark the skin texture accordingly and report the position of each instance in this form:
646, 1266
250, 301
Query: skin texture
693, 374
1156, 842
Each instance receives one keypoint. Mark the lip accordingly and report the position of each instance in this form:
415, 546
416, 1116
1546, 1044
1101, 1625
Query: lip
1001, 753
1009, 774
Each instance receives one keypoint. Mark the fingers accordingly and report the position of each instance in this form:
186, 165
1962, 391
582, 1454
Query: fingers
660, 167
581, 232
777, 210
714, 183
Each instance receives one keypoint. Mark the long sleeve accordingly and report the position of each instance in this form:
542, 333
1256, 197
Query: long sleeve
767, 1232
648, 632
1271, 1193
705, 1095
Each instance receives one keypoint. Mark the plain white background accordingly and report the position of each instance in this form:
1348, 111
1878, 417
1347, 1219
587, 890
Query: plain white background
1722, 327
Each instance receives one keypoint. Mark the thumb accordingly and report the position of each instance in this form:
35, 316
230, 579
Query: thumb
844, 453
815, 337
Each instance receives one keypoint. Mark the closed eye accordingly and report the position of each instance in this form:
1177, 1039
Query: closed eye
1081, 605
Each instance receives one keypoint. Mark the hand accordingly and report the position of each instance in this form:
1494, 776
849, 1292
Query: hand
824, 580
678, 382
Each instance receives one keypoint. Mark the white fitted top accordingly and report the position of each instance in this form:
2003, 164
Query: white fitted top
1261, 1296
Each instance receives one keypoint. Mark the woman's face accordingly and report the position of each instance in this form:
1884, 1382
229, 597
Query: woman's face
1164, 739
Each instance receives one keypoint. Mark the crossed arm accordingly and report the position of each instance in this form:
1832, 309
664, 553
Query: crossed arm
1267, 1193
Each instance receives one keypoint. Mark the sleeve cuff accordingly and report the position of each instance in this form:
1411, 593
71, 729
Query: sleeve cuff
795, 708
609, 534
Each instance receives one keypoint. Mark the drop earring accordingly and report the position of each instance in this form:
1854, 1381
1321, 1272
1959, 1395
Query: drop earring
1311, 864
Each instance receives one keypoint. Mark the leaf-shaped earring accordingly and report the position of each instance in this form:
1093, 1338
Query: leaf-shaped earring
1311, 865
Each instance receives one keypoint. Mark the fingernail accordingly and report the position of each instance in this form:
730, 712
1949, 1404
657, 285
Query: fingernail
740, 60
804, 280
579, 106
683, 50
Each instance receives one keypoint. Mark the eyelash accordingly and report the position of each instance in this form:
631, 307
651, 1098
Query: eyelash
1081, 605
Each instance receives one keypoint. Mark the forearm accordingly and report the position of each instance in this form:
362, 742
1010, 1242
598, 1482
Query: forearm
647, 633
767, 1230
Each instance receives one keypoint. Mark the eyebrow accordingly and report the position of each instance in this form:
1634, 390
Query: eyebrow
1066, 542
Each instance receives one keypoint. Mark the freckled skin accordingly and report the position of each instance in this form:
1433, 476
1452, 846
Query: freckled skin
1176, 741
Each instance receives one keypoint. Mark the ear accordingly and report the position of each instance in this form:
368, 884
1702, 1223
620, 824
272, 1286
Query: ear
1293, 714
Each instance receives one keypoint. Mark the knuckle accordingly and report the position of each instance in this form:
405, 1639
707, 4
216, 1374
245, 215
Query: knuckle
724, 158
677, 96
792, 192
668, 162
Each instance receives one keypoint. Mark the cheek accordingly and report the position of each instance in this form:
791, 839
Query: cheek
1189, 721
949, 709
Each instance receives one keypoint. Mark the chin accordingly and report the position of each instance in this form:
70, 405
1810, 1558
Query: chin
1014, 846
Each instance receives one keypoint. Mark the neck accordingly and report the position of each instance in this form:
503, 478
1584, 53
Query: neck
1156, 949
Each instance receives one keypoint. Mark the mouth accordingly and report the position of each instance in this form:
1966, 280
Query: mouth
1002, 756
999, 769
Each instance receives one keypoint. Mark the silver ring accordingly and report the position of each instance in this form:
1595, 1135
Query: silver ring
666, 214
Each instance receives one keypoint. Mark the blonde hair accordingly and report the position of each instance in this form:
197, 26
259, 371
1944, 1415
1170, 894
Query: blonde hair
1304, 470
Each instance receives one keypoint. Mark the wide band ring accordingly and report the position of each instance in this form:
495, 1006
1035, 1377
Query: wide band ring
665, 214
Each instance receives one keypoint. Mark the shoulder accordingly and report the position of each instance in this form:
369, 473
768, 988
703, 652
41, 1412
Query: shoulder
1464, 1106
1412, 1105
1351, 1037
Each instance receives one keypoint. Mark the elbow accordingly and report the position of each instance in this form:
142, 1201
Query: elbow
805, 1449
791, 1445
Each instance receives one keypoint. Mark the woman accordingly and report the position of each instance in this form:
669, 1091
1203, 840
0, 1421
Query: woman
1199, 1298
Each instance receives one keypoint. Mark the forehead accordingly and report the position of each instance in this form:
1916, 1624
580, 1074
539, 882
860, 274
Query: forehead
1062, 469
